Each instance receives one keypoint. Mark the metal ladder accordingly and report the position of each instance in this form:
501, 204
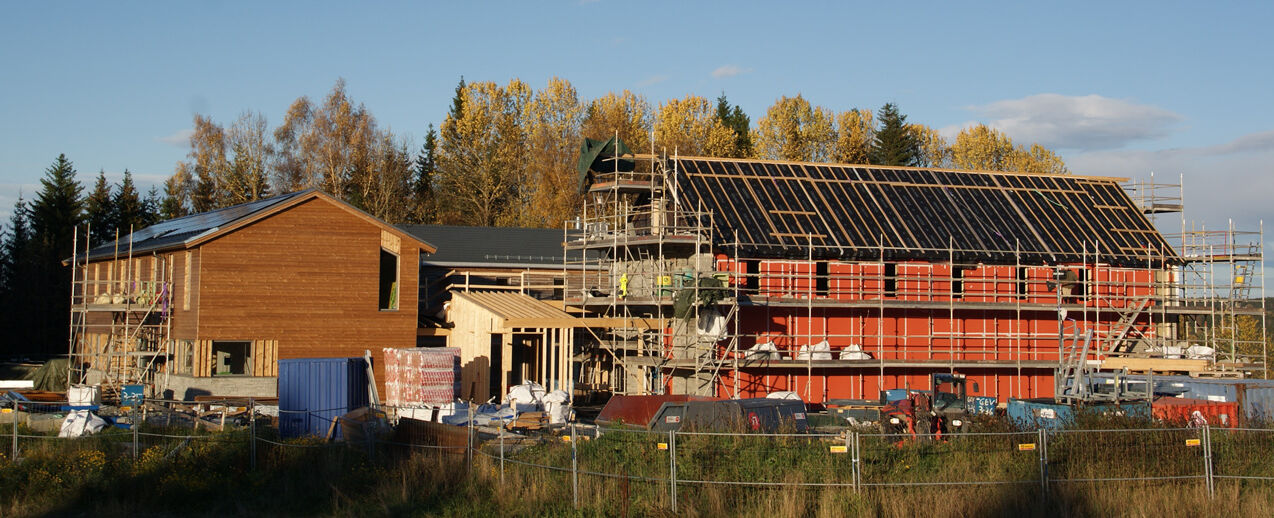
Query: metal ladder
1124, 326
1071, 380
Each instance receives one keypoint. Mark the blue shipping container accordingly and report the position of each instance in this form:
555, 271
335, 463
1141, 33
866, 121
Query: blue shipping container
313, 392
1048, 415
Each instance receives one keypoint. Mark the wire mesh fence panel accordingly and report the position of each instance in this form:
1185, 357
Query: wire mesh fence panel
761, 460
623, 466
1126, 454
1242, 453
951, 459
546, 457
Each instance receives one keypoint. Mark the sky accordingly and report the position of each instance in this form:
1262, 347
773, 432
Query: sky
1181, 89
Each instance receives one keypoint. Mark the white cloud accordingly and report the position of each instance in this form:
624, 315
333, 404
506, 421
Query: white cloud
1088, 123
655, 79
729, 71
179, 138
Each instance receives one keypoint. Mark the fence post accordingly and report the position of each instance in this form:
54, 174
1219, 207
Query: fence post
14, 458
468, 450
1206, 433
135, 426
252, 432
851, 443
672, 468
501, 432
1042, 439
574, 468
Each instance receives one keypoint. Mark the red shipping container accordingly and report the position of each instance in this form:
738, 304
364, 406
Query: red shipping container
421, 376
1180, 410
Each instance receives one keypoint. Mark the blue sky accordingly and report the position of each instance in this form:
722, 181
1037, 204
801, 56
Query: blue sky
1119, 89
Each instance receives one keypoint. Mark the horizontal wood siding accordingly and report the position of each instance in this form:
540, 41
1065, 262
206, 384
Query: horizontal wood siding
307, 279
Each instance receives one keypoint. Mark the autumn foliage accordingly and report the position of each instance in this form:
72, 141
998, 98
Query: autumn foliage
505, 154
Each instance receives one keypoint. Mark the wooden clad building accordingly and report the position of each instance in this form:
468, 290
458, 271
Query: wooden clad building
208, 303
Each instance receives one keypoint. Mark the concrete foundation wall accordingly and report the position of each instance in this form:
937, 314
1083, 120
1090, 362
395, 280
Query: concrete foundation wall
187, 387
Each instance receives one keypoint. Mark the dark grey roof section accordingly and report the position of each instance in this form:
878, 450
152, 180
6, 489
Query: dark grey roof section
490, 246
174, 232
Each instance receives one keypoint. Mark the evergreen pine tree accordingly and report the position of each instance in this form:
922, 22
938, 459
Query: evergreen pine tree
173, 205
152, 207
894, 144
130, 214
735, 119
16, 282
426, 165
55, 214
99, 211
457, 110
57, 209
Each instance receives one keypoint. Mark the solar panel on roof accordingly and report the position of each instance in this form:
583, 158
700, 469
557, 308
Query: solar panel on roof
175, 231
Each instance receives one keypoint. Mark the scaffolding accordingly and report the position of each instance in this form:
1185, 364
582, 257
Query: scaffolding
645, 249
120, 315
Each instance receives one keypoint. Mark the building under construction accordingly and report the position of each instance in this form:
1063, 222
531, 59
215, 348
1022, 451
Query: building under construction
740, 278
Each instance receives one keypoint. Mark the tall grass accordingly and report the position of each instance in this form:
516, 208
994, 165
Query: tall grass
211, 475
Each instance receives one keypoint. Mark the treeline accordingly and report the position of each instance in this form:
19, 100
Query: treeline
34, 286
505, 154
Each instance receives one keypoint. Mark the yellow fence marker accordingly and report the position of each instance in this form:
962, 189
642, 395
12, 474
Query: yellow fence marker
662, 445
1192, 442
1026, 446
840, 449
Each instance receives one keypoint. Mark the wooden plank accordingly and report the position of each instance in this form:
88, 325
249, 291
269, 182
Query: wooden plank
1154, 364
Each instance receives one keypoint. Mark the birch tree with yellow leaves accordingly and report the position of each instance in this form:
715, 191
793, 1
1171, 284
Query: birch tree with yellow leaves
482, 156
690, 127
552, 125
792, 129
983, 148
625, 113
934, 151
855, 131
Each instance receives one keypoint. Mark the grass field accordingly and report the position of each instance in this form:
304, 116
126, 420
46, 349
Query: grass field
212, 475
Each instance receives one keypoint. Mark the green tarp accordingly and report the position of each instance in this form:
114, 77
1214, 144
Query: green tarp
51, 376
599, 156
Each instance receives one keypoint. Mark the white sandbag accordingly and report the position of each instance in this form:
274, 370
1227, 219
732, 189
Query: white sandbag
1200, 352
711, 324
854, 352
84, 395
783, 394
763, 351
79, 423
528, 394
1173, 352
819, 351
558, 407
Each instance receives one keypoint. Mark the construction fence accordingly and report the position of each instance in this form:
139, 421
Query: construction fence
660, 466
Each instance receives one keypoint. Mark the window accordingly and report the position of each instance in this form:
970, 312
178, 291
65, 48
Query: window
957, 282
821, 283
751, 275
230, 358
891, 279
388, 280
1021, 282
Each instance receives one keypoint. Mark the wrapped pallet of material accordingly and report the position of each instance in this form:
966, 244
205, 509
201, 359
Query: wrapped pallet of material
421, 376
